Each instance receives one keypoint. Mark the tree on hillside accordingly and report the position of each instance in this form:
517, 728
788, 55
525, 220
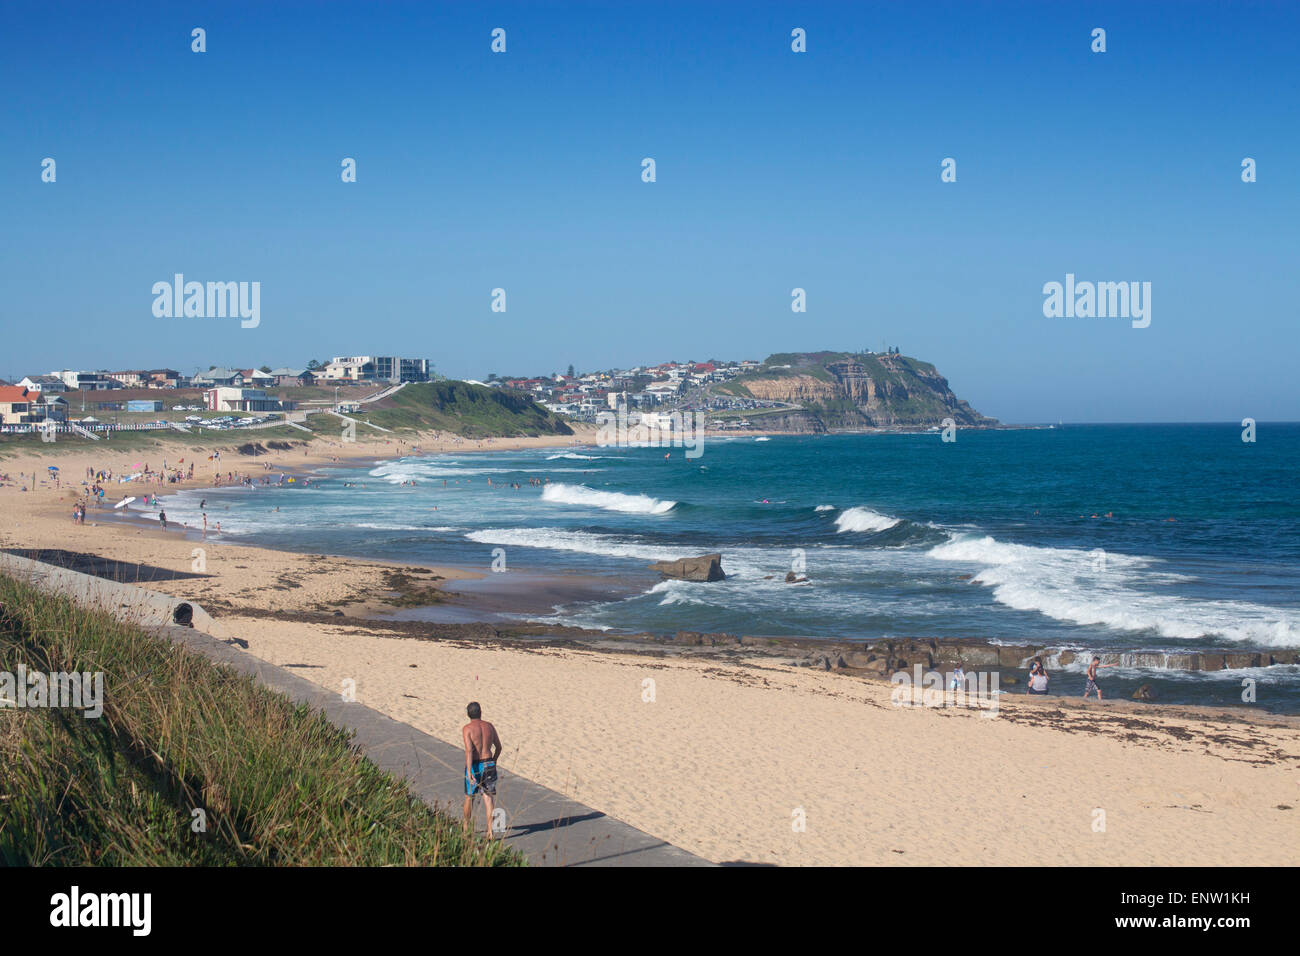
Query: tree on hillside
313, 365
570, 371
264, 368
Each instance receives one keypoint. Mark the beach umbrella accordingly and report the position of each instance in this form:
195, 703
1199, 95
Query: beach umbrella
54, 467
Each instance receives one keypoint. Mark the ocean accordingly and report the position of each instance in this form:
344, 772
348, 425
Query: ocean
1131, 539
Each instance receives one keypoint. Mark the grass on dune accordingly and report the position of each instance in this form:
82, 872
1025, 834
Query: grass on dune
461, 408
279, 784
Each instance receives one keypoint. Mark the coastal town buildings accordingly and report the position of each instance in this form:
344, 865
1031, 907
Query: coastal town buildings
375, 368
22, 406
130, 379
79, 381
218, 377
292, 377
43, 383
226, 399
582, 396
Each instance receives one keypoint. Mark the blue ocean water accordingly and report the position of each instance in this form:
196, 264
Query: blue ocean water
1122, 538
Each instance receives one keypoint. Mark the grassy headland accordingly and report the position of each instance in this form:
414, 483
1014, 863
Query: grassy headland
473, 411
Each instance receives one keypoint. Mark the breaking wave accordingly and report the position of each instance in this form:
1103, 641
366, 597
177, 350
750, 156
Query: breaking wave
863, 520
1093, 588
561, 493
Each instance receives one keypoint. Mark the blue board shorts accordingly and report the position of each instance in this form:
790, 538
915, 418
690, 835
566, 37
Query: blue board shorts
483, 780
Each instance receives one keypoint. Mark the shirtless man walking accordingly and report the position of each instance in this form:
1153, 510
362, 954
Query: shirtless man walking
482, 748
1092, 678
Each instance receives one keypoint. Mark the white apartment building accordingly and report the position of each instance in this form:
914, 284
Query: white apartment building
375, 368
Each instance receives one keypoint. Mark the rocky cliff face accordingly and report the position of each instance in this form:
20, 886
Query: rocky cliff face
799, 389
836, 390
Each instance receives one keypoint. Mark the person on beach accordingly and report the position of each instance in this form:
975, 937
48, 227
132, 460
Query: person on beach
1092, 678
482, 748
162, 519
1038, 677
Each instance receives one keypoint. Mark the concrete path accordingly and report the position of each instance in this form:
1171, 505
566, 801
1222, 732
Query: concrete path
546, 826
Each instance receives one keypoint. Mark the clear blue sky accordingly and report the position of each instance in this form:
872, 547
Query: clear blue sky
775, 170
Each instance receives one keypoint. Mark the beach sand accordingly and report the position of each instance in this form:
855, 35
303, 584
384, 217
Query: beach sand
726, 757
753, 760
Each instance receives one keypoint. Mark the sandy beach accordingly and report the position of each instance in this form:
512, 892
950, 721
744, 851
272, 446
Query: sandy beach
748, 760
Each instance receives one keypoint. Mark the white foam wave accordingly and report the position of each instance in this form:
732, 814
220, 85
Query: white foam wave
379, 526
397, 472
559, 539
1093, 588
561, 493
824, 508
863, 520
676, 592
425, 472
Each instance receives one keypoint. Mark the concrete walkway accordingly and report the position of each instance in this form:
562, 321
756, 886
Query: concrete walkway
547, 827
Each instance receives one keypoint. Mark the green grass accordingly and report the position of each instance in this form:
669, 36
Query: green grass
473, 411
280, 784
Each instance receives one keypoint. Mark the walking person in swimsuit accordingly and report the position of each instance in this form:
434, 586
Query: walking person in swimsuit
482, 748
1092, 678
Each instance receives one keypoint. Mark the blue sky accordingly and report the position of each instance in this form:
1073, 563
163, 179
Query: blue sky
775, 170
